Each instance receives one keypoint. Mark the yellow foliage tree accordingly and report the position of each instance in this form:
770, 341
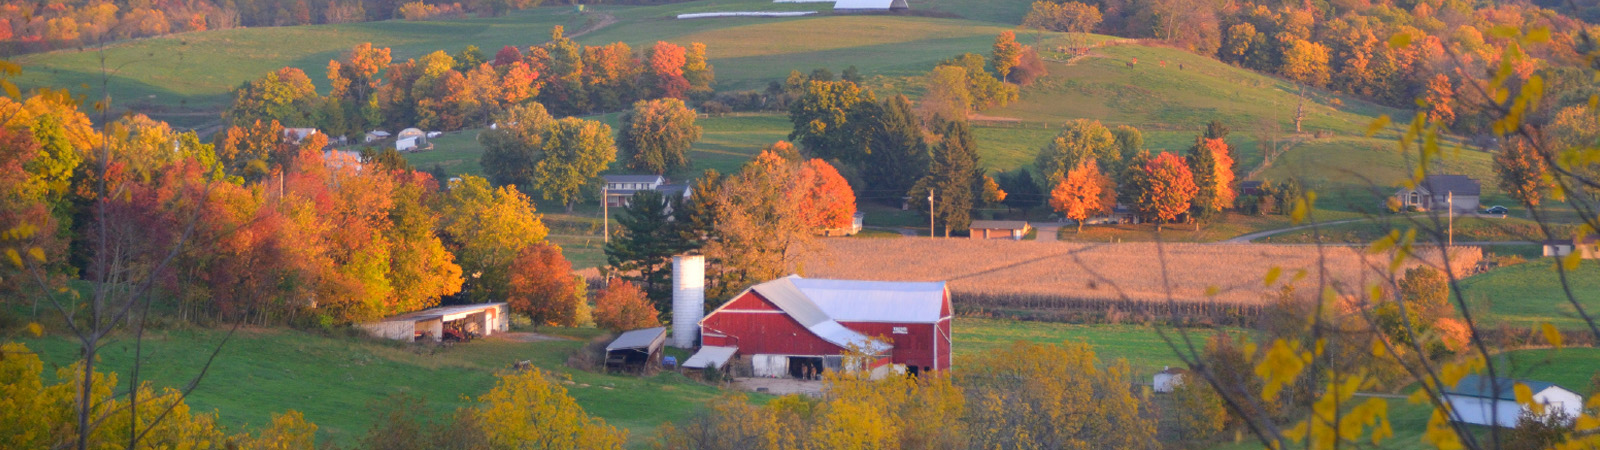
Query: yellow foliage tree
1052, 396
526, 410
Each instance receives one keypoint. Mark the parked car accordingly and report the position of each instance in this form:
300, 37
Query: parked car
1497, 210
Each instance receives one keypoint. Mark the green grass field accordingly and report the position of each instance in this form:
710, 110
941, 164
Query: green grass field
1467, 229
1528, 294
336, 381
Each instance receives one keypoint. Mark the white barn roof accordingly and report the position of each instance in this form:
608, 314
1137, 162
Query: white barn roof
710, 356
871, 4
820, 304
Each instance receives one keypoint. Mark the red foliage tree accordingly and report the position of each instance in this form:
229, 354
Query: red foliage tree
543, 286
666, 68
1171, 187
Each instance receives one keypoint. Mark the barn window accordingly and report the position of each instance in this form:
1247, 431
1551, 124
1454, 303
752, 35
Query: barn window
900, 330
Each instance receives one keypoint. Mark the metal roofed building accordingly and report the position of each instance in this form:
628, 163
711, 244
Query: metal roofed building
1438, 191
636, 349
1480, 402
999, 229
799, 323
482, 319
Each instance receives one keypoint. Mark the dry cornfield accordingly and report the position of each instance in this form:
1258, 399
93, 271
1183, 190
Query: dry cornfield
1039, 275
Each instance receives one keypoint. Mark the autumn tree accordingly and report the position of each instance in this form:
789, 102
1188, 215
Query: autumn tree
1079, 141
826, 201
986, 90
1303, 61
1212, 165
1007, 53
760, 228
698, 71
1200, 412
1075, 18
1082, 193
1035, 395
285, 96
513, 148
1162, 189
1439, 100
1030, 67
527, 409
947, 99
950, 179
543, 286
487, 229
1521, 171
1427, 290
665, 62
655, 136
622, 307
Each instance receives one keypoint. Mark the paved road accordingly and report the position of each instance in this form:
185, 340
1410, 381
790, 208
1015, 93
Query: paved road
1246, 239
1047, 231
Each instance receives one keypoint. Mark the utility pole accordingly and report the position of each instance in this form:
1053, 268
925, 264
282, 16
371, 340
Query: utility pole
605, 210
1451, 199
930, 213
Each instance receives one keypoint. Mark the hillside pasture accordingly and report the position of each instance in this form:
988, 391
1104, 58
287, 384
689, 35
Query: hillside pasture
1526, 295
1132, 277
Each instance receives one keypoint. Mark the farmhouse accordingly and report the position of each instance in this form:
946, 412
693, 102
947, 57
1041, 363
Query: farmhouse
999, 229
1482, 402
870, 5
797, 326
376, 135
1436, 191
637, 349
1588, 247
296, 135
460, 322
620, 188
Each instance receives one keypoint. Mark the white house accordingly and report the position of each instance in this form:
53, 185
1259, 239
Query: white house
620, 188
1436, 191
296, 135
1479, 401
1168, 379
376, 135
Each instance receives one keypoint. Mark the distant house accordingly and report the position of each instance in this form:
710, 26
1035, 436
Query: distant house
1479, 401
1588, 247
855, 227
999, 229
295, 135
339, 159
1250, 188
1436, 191
870, 5
620, 188
1168, 379
376, 135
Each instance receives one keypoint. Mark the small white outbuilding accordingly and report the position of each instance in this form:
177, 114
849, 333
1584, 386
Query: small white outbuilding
1485, 401
463, 321
1168, 379
870, 5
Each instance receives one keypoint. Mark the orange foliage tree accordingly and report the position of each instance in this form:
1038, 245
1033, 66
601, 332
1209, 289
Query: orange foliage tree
1082, 193
1168, 189
1211, 164
544, 287
665, 64
622, 307
827, 201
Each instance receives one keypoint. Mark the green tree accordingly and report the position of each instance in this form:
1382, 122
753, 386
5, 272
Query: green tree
641, 251
947, 97
950, 178
897, 155
1079, 141
821, 119
486, 228
515, 145
1129, 142
987, 91
655, 136
575, 151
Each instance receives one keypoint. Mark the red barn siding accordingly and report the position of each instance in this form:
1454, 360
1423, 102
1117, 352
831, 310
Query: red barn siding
757, 326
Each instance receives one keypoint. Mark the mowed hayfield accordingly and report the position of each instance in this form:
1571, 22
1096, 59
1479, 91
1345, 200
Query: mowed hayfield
1528, 294
1129, 271
339, 382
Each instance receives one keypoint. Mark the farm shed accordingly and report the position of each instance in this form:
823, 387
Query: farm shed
1479, 401
797, 325
999, 229
637, 349
459, 321
1588, 247
870, 5
1168, 379
711, 356
376, 135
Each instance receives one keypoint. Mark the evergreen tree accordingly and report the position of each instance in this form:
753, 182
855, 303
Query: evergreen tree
950, 178
642, 249
1134, 180
1216, 130
1022, 192
1203, 166
895, 151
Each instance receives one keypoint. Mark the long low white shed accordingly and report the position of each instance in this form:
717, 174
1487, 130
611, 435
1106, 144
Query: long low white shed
482, 319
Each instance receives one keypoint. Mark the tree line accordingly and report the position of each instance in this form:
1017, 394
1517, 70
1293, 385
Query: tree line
441, 91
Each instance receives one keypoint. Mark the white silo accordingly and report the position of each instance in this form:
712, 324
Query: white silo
688, 299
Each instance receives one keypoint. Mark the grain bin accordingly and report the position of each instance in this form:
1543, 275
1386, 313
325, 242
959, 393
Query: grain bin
688, 299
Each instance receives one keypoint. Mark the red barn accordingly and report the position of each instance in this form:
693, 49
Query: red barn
792, 323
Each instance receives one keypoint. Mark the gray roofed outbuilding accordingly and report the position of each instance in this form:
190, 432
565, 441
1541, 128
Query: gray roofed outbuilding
632, 178
1478, 386
710, 356
649, 339
1457, 184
